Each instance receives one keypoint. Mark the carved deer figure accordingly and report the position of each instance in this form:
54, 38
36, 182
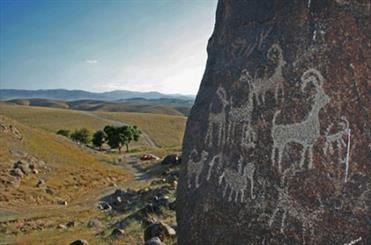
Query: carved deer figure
217, 121
305, 132
237, 181
194, 169
260, 86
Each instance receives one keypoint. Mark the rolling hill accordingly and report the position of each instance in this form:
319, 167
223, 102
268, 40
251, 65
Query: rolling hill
160, 106
163, 130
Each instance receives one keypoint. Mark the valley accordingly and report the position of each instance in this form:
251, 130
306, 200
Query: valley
52, 187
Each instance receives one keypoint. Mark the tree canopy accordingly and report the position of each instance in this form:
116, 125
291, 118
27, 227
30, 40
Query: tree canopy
117, 137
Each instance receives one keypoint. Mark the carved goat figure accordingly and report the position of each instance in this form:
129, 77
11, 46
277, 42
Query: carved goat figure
194, 168
242, 115
305, 132
237, 181
217, 121
260, 86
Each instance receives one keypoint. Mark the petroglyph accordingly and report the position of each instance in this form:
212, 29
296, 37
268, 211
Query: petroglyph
337, 140
242, 115
240, 47
305, 132
237, 181
260, 86
194, 168
216, 159
217, 121
359, 239
288, 207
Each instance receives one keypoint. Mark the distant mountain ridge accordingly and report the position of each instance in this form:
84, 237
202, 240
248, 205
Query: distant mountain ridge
69, 95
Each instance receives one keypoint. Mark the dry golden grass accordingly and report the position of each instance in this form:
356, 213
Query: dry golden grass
165, 130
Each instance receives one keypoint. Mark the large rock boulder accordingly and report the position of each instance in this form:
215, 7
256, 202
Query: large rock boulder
277, 145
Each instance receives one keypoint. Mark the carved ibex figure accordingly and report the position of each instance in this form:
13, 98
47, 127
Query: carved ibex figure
336, 138
237, 181
194, 169
305, 132
262, 85
217, 120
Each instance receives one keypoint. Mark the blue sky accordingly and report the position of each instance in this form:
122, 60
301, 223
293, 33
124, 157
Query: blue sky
153, 45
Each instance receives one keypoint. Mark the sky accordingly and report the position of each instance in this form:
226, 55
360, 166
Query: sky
152, 45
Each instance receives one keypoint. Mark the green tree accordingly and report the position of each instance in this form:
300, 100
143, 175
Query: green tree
82, 135
133, 134
64, 132
99, 138
117, 137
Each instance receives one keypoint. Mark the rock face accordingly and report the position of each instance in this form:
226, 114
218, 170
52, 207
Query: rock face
277, 145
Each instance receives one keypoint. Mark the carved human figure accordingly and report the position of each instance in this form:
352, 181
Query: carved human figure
305, 132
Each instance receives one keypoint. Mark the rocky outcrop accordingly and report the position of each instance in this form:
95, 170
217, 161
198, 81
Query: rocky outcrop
277, 145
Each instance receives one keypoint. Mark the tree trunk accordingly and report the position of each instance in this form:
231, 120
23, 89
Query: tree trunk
127, 147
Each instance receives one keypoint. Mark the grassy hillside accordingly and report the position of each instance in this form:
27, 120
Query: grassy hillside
69, 170
164, 130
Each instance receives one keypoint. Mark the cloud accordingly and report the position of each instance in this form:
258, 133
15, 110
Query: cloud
91, 61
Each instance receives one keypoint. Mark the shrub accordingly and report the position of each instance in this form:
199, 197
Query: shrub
64, 132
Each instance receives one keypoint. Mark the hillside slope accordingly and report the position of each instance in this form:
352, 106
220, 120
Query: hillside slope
66, 170
164, 130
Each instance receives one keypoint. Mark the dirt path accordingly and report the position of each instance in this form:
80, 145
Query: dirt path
146, 137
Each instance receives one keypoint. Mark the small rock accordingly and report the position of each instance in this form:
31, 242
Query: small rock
154, 241
94, 223
16, 172
104, 206
79, 242
71, 223
49, 190
116, 233
62, 202
40, 183
35, 171
160, 230
171, 159
62, 227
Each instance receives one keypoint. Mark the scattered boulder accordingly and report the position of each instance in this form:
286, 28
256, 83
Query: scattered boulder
71, 223
172, 159
147, 157
160, 230
17, 172
62, 227
104, 206
154, 241
79, 242
40, 183
61, 202
94, 223
117, 233
49, 190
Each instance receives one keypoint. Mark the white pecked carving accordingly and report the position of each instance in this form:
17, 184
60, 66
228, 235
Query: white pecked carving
194, 169
275, 82
237, 181
305, 132
217, 121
